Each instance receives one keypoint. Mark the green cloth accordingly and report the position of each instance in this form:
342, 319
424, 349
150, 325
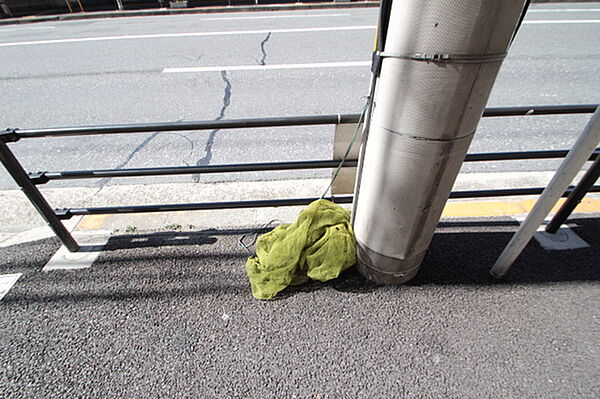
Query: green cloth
318, 246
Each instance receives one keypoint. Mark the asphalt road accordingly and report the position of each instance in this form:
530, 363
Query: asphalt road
171, 315
113, 71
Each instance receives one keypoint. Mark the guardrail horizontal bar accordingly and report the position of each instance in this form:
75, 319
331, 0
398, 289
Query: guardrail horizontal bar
346, 199
272, 166
274, 122
197, 206
186, 126
182, 170
508, 192
541, 110
522, 155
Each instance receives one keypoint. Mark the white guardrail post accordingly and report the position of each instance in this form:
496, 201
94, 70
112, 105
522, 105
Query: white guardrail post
579, 154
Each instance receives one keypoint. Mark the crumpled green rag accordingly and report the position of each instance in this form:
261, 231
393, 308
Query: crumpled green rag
319, 246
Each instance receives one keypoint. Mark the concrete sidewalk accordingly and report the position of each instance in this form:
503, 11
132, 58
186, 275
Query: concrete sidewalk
20, 222
170, 314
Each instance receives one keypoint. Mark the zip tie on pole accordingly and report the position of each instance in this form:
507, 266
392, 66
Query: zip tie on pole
450, 58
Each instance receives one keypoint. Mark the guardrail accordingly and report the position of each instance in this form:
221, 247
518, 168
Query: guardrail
28, 182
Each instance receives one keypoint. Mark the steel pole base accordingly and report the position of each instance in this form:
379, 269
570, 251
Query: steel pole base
383, 269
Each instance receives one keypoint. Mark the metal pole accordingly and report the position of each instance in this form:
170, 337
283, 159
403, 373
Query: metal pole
582, 188
80, 5
69, 5
438, 67
5, 8
382, 26
17, 172
583, 147
120, 5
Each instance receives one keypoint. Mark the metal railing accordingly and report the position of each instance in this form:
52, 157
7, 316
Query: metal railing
28, 182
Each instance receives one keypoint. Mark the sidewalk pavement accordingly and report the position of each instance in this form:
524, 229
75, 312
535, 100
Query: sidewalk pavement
179, 11
170, 314
164, 309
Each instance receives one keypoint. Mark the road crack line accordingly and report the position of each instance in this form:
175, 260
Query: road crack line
147, 140
104, 181
262, 48
205, 160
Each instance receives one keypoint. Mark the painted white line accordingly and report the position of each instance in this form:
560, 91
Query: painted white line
38, 233
187, 34
267, 67
6, 283
567, 10
245, 32
65, 260
563, 21
27, 28
275, 17
35, 234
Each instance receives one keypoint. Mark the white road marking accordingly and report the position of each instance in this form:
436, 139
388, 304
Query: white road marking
27, 28
567, 10
187, 34
91, 244
275, 17
246, 32
65, 260
38, 233
6, 283
563, 21
267, 67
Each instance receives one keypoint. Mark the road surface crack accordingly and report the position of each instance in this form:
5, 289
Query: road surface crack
191, 59
205, 160
104, 181
141, 146
262, 48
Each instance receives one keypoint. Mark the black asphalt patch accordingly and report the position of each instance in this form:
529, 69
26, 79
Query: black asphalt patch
171, 315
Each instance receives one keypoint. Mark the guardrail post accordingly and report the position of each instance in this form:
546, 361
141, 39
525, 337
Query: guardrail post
579, 154
582, 188
19, 175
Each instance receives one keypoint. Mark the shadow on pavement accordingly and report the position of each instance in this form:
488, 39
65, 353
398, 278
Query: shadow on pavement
174, 238
166, 265
462, 252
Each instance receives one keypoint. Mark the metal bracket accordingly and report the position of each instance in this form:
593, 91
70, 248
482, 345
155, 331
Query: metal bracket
376, 63
38, 178
63, 213
9, 135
